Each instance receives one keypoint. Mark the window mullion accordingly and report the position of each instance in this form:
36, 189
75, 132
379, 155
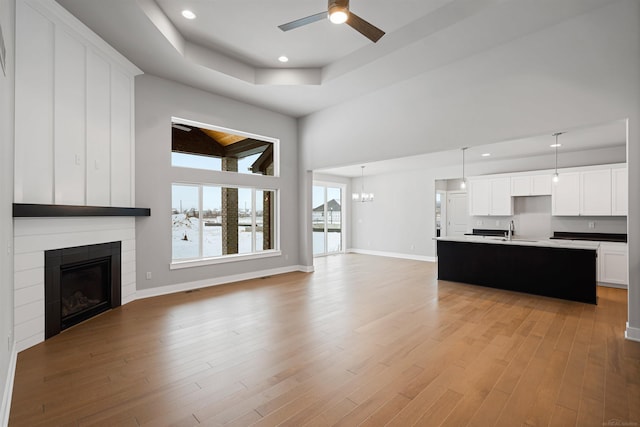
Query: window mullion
253, 220
200, 222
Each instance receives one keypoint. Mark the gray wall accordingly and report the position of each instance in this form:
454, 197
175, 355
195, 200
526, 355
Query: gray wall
157, 100
402, 217
580, 72
7, 7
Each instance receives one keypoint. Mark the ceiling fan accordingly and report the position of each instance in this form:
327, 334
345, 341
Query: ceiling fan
338, 13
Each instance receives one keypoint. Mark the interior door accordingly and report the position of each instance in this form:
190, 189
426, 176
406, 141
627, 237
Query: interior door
457, 214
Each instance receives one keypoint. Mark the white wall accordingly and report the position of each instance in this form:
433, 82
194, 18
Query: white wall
7, 13
157, 100
74, 107
582, 71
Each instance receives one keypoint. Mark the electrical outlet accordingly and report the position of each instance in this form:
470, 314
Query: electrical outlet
479, 222
413, 247
497, 223
592, 224
148, 275
286, 256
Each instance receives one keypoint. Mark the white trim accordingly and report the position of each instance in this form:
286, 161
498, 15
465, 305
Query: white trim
393, 255
612, 285
176, 265
60, 16
632, 334
306, 268
5, 409
205, 283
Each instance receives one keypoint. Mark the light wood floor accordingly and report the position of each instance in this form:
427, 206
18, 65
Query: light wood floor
362, 341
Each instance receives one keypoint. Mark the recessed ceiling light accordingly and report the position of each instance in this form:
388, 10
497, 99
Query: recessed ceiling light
188, 14
485, 154
283, 59
555, 145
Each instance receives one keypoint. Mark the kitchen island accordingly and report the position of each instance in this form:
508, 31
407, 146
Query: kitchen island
553, 268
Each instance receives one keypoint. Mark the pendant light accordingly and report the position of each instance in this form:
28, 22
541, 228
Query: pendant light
463, 184
556, 178
362, 196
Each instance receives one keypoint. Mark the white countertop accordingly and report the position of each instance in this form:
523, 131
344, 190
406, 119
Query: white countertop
549, 243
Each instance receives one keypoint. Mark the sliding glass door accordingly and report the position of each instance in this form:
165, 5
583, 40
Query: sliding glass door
327, 219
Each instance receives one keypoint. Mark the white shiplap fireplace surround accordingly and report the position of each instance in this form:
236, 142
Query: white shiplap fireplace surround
34, 236
74, 146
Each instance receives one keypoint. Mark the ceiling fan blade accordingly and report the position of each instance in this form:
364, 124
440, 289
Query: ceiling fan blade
303, 21
368, 30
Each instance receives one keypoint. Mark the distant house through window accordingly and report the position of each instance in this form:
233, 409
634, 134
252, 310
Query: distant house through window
213, 218
326, 218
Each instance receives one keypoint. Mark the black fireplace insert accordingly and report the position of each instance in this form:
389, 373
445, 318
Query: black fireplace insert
80, 282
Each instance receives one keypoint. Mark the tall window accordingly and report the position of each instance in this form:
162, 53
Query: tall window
327, 218
214, 218
214, 221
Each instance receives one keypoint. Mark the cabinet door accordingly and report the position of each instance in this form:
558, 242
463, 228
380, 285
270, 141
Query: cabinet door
501, 202
479, 202
541, 185
520, 185
595, 192
619, 191
613, 263
565, 195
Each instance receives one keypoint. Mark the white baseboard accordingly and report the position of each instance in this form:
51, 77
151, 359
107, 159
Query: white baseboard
5, 409
632, 334
393, 255
612, 285
205, 283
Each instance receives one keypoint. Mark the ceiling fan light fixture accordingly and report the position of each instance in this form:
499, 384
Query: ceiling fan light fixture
283, 58
338, 11
338, 15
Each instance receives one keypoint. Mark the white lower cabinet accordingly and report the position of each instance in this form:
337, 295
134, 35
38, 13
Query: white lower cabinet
612, 264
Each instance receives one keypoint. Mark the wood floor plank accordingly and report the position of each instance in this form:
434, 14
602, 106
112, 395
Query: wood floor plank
363, 340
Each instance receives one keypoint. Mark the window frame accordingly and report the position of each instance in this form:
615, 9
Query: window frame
202, 260
182, 175
274, 141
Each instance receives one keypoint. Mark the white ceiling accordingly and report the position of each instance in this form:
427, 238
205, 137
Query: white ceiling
608, 135
232, 47
249, 32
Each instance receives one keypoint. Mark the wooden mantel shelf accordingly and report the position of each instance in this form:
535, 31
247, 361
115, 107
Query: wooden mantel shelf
32, 210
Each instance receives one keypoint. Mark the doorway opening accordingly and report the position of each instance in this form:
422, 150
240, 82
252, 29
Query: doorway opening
451, 208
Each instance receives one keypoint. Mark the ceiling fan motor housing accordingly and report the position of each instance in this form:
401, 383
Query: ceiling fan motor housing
338, 6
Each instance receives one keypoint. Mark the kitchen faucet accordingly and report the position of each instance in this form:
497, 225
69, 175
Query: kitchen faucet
511, 230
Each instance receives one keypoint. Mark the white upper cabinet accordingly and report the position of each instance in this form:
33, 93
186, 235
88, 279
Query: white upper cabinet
591, 192
619, 191
501, 201
74, 112
565, 196
595, 192
479, 197
521, 185
541, 185
531, 185
490, 196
